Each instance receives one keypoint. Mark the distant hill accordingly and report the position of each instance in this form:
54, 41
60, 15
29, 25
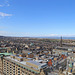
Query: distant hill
72, 38
1, 36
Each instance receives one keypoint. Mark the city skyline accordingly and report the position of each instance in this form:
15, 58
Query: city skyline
37, 18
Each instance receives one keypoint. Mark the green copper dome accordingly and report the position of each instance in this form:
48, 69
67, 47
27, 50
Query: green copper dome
70, 65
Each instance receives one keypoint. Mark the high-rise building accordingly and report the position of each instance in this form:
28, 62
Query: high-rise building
15, 65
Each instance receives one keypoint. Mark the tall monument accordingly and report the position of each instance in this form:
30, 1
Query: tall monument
61, 42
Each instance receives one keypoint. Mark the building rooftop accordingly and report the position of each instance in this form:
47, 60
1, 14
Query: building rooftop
34, 62
22, 63
6, 54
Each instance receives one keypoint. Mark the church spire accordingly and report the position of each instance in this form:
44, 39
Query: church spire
61, 42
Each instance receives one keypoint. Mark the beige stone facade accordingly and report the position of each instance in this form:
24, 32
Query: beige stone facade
10, 68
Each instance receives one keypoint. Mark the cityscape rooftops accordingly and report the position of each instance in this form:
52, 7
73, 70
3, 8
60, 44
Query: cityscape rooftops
5, 54
36, 62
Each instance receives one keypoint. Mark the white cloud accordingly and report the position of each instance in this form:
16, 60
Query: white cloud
55, 35
4, 14
6, 33
4, 3
7, 3
26, 34
1, 5
63, 35
2, 27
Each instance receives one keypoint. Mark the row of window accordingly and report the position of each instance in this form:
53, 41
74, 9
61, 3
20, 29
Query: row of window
12, 67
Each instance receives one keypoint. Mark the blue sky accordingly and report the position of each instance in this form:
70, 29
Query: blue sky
37, 17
